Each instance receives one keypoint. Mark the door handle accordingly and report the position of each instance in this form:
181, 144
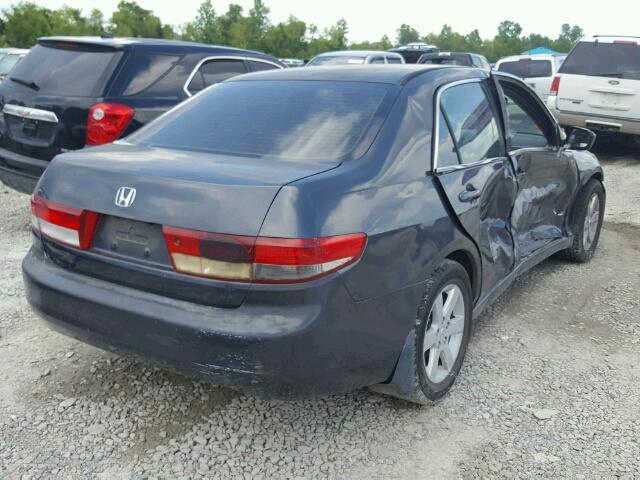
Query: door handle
470, 194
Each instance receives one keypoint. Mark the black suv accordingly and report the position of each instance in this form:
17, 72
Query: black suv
69, 92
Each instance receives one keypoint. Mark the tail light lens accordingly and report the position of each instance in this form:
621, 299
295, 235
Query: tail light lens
261, 259
106, 122
555, 85
69, 225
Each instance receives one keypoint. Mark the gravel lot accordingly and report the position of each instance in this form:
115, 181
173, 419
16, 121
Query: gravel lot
549, 389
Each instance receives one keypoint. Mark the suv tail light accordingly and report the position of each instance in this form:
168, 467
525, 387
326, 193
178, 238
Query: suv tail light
260, 259
69, 225
106, 122
555, 85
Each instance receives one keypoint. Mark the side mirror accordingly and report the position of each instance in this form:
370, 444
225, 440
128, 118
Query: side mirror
580, 139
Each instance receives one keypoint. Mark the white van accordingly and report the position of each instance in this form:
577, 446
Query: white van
536, 70
598, 86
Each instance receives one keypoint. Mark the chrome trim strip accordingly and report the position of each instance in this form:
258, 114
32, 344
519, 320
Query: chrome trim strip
30, 113
222, 57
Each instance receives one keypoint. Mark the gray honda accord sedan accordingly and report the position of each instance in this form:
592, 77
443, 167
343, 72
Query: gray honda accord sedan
310, 231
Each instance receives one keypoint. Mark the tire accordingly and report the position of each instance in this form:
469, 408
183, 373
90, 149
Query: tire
586, 235
432, 384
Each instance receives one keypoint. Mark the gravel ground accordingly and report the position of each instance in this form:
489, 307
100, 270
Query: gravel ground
549, 389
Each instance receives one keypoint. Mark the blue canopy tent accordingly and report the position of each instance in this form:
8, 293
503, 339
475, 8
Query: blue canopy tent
540, 51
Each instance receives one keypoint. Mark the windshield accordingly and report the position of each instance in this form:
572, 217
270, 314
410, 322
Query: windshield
618, 60
8, 62
295, 121
337, 60
75, 70
527, 68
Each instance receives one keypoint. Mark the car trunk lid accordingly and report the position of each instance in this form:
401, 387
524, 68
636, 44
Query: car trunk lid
190, 190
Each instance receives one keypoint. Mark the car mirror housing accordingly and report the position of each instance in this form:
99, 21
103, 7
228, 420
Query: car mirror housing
580, 139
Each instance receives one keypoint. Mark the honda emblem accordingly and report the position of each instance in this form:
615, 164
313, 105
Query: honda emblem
125, 197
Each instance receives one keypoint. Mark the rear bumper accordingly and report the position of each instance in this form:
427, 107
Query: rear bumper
309, 342
19, 171
598, 122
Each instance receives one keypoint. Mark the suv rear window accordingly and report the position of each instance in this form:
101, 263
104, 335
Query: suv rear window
527, 68
310, 121
74, 70
8, 62
620, 60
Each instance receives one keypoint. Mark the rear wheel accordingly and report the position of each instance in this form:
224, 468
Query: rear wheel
587, 222
443, 327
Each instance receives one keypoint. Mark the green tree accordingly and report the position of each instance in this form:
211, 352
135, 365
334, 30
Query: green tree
95, 22
258, 24
287, 39
204, 28
407, 34
569, 36
25, 23
131, 20
68, 21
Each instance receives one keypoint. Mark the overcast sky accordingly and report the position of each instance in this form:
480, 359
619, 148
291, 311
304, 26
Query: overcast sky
368, 21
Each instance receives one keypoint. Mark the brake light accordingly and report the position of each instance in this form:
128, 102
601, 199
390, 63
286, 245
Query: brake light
625, 42
555, 85
261, 259
69, 225
106, 122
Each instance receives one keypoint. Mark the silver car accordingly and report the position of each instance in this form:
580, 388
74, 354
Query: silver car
355, 57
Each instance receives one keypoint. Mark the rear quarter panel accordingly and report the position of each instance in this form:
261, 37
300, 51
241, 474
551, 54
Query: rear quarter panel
389, 194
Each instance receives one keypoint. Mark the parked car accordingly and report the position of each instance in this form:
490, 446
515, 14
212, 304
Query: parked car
463, 59
292, 62
9, 60
279, 232
69, 92
354, 57
598, 87
537, 71
412, 52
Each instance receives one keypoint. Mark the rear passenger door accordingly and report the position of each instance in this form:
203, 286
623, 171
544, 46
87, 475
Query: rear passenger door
471, 165
214, 70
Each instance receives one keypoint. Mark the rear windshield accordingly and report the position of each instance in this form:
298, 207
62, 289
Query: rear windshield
527, 68
303, 121
446, 61
75, 70
619, 60
338, 60
8, 62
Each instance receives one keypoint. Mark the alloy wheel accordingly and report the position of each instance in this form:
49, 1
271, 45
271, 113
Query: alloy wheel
591, 221
443, 333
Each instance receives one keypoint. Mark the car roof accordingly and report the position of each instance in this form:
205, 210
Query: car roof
125, 42
398, 74
613, 38
355, 53
537, 56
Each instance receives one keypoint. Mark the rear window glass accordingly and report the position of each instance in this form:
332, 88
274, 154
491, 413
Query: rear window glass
143, 69
77, 71
604, 59
527, 68
8, 62
305, 121
339, 60
445, 61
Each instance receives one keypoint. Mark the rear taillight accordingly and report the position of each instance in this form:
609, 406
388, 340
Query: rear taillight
106, 122
555, 85
69, 225
261, 259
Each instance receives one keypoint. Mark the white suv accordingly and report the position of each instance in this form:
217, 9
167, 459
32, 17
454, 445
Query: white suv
537, 70
598, 86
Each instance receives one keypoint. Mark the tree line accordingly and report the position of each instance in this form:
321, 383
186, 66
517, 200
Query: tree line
23, 23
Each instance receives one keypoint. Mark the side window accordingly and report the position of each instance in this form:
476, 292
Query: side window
215, 71
396, 60
472, 121
377, 60
142, 70
257, 66
528, 126
447, 155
